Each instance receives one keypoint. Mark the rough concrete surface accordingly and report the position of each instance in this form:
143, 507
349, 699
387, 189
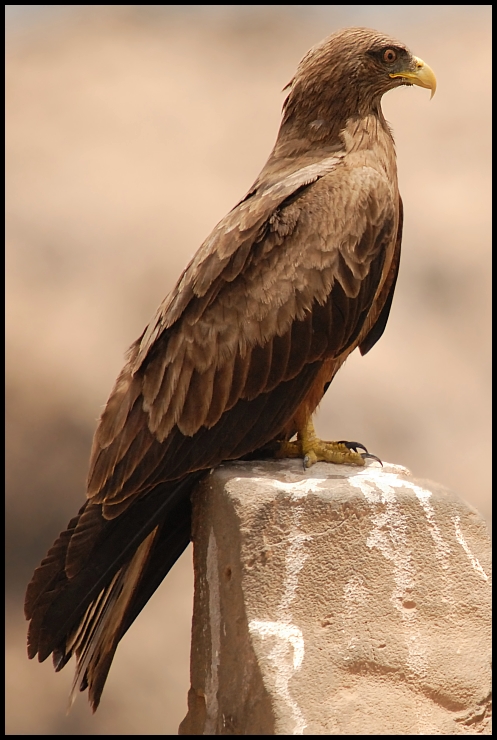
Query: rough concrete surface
337, 600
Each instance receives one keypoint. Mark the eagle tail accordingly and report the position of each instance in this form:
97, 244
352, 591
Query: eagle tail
96, 637
88, 613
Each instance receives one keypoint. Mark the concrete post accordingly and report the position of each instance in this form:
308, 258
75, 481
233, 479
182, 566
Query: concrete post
337, 601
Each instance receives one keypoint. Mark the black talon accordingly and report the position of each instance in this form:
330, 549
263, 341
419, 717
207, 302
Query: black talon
365, 455
354, 446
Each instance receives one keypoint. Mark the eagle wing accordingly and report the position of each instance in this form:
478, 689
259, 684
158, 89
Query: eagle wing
298, 273
288, 279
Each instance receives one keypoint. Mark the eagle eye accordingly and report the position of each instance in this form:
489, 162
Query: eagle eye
389, 56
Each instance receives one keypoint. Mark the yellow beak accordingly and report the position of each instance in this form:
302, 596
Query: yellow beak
422, 75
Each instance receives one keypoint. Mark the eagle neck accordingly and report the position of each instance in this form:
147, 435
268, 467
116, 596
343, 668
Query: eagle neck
364, 132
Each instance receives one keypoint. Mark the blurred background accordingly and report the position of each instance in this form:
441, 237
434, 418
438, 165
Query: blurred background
131, 130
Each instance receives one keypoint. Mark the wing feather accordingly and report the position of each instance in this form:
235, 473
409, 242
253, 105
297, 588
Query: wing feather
223, 381
239, 378
260, 367
222, 369
279, 360
198, 401
110, 456
161, 425
138, 449
301, 342
161, 377
85, 535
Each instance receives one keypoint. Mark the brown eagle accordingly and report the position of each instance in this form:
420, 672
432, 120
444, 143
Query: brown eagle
300, 273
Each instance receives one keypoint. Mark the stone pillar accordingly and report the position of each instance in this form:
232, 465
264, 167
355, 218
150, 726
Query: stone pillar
338, 601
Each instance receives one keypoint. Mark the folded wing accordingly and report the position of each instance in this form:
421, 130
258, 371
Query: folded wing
298, 273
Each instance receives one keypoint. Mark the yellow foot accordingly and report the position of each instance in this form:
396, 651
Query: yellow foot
314, 450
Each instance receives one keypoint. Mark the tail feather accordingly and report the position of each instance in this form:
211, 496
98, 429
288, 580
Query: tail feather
47, 581
168, 546
96, 639
87, 614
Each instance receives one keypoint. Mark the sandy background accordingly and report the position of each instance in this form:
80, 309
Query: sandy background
130, 133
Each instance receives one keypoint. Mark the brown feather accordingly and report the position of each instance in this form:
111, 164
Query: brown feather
260, 366
107, 458
240, 372
114, 491
83, 538
301, 342
220, 393
279, 360
96, 639
162, 425
197, 402
160, 384
118, 407
42, 583
137, 483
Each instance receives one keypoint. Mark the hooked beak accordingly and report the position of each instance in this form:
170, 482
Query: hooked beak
421, 75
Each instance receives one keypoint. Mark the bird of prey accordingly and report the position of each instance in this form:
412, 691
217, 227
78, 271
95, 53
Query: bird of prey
299, 274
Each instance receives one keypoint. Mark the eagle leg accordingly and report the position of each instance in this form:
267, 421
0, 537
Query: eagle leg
312, 449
